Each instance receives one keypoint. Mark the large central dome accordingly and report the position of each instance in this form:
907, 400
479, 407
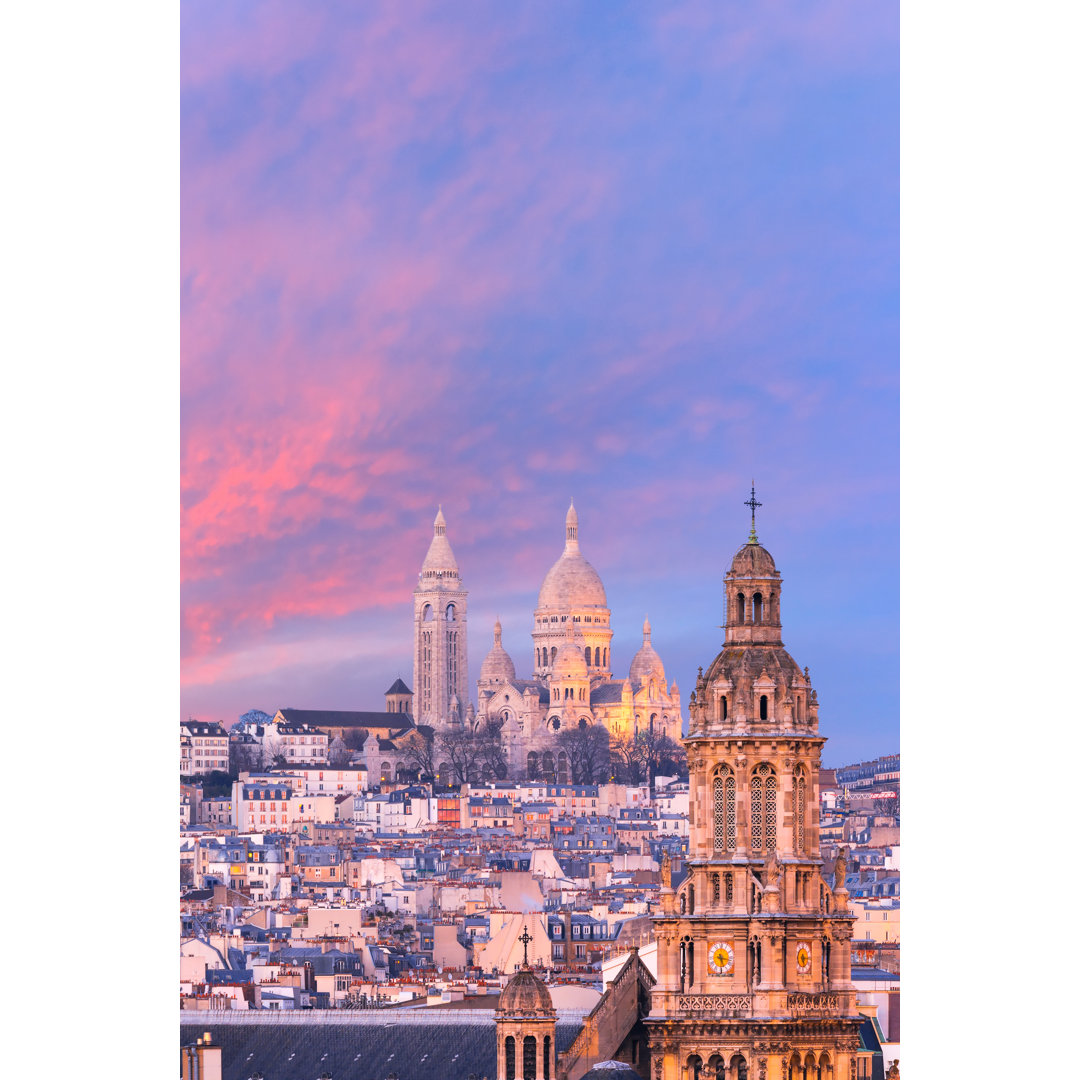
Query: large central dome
572, 582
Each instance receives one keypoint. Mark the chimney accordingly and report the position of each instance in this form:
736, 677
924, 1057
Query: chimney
201, 1061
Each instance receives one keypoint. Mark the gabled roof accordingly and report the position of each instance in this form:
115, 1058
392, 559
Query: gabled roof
323, 718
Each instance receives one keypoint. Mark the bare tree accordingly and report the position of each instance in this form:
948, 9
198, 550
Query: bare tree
245, 756
339, 754
274, 751
491, 754
640, 757
460, 749
589, 752
418, 751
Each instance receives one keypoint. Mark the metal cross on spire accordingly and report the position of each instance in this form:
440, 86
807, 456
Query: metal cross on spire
753, 503
525, 938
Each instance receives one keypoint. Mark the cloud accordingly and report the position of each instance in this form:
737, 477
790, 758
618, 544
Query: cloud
494, 259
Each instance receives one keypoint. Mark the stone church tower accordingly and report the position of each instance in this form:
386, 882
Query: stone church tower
440, 643
754, 961
525, 1028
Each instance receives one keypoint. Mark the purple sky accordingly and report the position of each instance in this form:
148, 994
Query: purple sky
497, 255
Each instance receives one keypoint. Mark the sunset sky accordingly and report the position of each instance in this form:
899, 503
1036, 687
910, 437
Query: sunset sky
495, 256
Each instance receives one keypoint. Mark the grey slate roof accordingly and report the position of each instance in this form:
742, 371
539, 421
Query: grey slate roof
399, 688
606, 693
417, 1045
332, 718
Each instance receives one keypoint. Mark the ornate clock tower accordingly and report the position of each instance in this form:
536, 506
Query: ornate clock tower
754, 961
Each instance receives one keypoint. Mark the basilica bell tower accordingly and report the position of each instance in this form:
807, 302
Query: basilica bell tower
440, 636
754, 958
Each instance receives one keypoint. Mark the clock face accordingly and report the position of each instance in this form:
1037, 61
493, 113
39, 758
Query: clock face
803, 956
721, 958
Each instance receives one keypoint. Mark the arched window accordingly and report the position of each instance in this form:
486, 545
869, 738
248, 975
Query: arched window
588, 656
763, 707
724, 810
571, 693
763, 809
800, 808
757, 607
688, 962
716, 890
509, 1045
428, 614
545, 657
693, 1068
729, 889
528, 1058
723, 707
740, 608
547, 1057
554, 652
690, 904
537, 657
451, 613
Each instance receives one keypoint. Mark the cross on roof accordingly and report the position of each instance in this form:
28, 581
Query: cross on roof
753, 503
525, 938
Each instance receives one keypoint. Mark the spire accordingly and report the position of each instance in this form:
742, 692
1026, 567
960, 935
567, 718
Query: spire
753, 504
498, 631
440, 523
647, 630
571, 528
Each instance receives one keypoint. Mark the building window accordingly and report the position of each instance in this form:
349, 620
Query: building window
724, 810
800, 809
763, 809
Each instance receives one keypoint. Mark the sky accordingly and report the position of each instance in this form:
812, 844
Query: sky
496, 256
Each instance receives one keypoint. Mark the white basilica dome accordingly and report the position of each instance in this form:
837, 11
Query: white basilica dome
571, 582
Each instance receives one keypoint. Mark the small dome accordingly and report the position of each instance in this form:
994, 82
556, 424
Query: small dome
612, 1070
646, 660
526, 994
752, 560
570, 662
497, 667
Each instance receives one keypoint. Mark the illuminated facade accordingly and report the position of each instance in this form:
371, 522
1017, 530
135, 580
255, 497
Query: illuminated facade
754, 954
571, 681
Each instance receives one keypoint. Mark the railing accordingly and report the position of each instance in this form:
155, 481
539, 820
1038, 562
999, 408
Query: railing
825, 1004
725, 1004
